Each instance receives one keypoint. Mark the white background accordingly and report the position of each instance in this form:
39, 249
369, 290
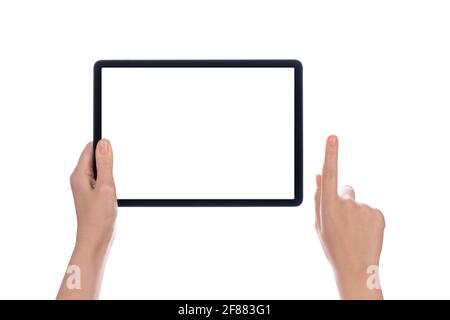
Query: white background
200, 133
375, 73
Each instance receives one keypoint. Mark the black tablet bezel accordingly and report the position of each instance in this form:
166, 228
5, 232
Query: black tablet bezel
298, 114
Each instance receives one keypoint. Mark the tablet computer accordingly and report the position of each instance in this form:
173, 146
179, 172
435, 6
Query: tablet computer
202, 132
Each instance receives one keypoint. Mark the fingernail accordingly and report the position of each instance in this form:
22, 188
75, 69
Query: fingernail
332, 140
103, 147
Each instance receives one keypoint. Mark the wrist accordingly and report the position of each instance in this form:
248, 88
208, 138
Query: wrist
93, 239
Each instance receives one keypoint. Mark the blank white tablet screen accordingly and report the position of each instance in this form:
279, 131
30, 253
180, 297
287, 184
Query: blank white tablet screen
200, 133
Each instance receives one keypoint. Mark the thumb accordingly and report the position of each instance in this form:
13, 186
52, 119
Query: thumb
104, 162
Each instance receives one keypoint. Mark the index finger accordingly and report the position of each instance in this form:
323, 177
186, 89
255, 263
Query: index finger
330, 169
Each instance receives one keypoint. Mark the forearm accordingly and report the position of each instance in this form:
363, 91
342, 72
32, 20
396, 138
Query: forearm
85, 271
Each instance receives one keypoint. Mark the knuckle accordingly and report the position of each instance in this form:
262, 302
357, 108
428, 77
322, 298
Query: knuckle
380, 217
106, 189
347, 203
74, 179
377, 215
366, 208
